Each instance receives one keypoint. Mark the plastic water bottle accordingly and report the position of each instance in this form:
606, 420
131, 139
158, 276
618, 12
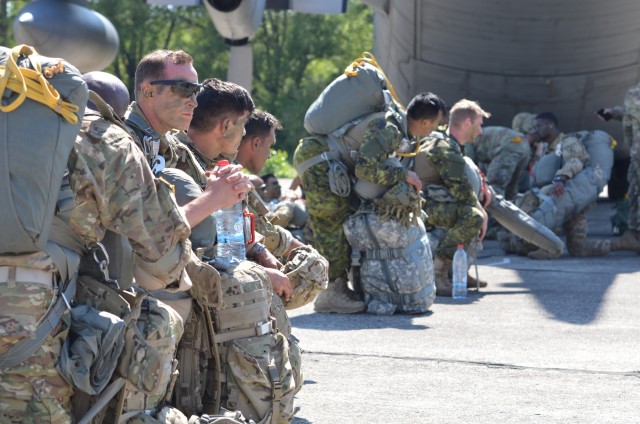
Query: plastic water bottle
459, 273
230, 230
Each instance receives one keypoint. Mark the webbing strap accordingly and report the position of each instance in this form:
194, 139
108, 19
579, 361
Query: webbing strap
390, 253
259, 330
324, 156
276, 391
22, 350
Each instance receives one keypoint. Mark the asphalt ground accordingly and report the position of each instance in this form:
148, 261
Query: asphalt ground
551, 341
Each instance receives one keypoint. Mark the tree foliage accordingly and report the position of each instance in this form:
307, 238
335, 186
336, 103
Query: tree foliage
296, 55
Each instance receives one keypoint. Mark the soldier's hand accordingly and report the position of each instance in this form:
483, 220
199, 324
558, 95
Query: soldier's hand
485, 221
414, 180
558, 186
267, 260
280, 283
233, 174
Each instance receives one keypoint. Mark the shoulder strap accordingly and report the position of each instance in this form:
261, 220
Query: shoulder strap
324, 156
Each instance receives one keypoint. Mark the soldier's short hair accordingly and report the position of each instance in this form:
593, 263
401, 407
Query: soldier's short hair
426, 106
260, 123
151, 67
548, 117
219, 100
464, 109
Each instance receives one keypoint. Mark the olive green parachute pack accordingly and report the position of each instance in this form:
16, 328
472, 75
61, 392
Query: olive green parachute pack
43, 100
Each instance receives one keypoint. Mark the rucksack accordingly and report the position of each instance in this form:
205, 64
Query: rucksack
394, 263
43, 100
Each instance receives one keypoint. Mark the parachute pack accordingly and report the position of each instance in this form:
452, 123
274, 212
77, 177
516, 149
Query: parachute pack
394, 263
43, 100
584, 188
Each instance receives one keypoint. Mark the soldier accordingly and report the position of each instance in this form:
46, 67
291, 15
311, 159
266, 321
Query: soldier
327, 210
569, 159
629, 114
451, 202
502, 154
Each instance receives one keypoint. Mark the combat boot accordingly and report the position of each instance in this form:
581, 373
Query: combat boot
628, 241
542, 254
441, 267
338, 299
471, 282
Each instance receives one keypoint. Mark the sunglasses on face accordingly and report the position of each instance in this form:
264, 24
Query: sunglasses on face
182, 88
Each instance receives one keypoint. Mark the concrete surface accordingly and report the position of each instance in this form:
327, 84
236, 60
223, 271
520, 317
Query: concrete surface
553, 341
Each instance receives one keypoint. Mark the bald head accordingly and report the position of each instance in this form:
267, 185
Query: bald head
110, 88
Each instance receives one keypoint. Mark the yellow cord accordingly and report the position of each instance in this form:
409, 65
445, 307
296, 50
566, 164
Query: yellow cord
32, 84
352, 71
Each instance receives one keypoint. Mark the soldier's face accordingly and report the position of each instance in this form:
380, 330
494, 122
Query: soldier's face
263, 149
475, 129
233, 133
272, 189
173, 109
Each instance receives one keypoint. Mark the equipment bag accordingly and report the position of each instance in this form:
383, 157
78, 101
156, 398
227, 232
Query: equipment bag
43, 100
361, 90
395, 263
255, 375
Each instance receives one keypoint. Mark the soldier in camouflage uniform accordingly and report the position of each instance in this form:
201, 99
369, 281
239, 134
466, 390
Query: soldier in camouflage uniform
574, 158
629, 114
451, 202
327, 211
502, 154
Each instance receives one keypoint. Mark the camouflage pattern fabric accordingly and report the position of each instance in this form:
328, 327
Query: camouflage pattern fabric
396, 267
168, 141
106, 168
576, 229
252, 363
503, 155
631, 123
308, 272
33, 391
382, 137
162, 329
458, 214
326, 210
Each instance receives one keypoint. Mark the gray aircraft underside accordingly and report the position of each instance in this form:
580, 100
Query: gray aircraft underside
570, 57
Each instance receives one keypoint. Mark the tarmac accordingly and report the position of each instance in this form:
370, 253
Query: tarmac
550, 341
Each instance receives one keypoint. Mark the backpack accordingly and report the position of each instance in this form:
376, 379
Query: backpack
394, 263
43, 100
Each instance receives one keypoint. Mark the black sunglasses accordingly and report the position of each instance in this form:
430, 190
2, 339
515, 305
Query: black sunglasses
182, 88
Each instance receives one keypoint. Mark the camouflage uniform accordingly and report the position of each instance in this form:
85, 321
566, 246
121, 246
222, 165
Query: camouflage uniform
503, 155
381, 139
327, 211
115, 190
450, 199
574, 157
629, 114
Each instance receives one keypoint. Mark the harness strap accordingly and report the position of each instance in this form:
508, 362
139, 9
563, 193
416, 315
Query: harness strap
324, 156
390, 253
276, 391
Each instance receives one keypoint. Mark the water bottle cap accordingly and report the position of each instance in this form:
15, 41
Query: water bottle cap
460, 246
223, 162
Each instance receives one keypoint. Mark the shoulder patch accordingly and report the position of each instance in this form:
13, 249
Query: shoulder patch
516, 139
